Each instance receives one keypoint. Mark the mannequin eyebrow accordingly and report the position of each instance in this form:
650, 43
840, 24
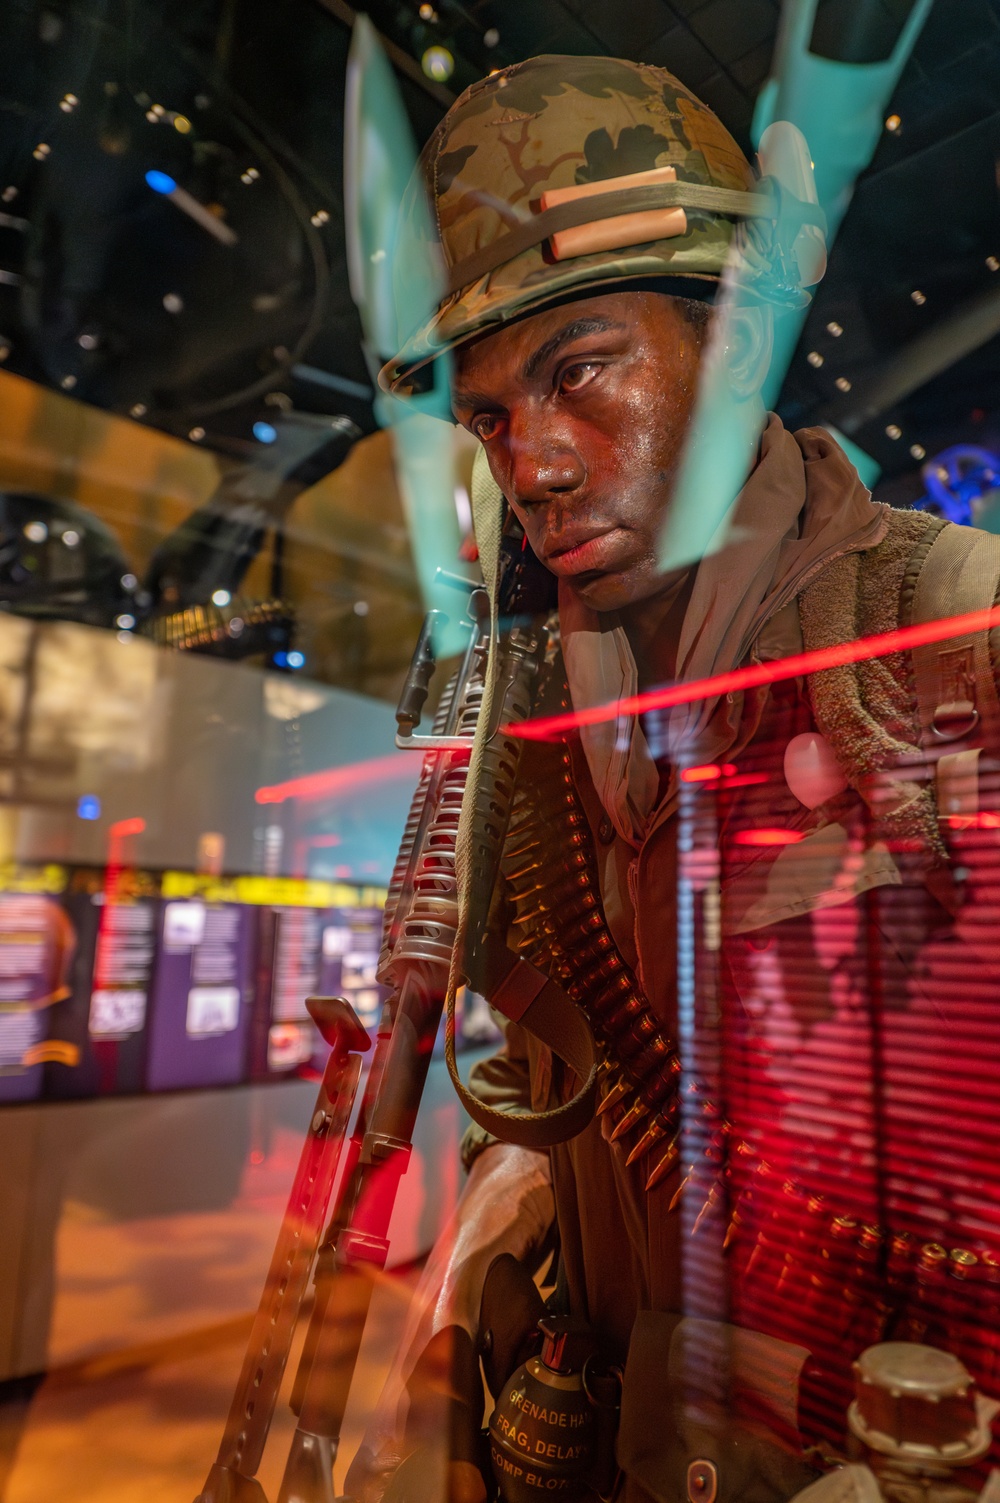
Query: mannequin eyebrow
575, 330
579, 328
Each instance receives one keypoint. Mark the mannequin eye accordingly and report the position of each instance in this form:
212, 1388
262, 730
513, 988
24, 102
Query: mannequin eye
484, 425
576, 377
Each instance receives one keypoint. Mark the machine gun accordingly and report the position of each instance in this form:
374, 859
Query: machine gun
419, 935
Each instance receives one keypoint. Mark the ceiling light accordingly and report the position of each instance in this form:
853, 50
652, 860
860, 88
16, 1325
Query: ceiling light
173, 302
182, 125
491, 37
918, 298
221, 597
196, 434
36, 532
834, 328
918, 451
438, 63
893, 123
842, 383
992, 263
815, 358
893, 432
41, 151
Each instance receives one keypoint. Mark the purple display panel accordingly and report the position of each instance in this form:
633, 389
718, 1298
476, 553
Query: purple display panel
201, 995
33, 956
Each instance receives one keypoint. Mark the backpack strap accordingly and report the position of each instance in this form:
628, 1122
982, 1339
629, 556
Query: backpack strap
954, 680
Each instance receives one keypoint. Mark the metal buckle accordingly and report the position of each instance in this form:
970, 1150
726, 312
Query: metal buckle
956, 714
702, 1481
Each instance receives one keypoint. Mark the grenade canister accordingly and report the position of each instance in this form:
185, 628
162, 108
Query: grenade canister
542, 1430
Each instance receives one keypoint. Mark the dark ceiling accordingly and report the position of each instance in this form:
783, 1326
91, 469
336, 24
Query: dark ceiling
111, 294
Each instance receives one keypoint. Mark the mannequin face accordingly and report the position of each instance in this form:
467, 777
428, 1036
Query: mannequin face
583, 412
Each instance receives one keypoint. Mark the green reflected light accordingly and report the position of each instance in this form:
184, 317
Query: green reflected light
396, 282
839, 110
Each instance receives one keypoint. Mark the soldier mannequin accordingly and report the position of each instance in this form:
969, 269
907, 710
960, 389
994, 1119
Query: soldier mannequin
578, 375
583, 411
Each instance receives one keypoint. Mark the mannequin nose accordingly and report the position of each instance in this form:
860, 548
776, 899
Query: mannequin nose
542, 466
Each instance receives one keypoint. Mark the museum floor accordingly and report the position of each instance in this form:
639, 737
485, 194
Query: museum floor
146, 1423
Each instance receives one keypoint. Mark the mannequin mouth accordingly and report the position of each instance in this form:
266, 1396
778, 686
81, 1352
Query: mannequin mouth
590, 554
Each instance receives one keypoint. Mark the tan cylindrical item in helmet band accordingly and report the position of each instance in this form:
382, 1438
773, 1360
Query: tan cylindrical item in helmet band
625, 229
552, 197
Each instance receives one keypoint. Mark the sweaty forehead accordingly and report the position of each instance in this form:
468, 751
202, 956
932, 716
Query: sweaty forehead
527, 346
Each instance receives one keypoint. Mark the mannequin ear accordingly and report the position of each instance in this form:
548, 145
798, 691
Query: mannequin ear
749, 341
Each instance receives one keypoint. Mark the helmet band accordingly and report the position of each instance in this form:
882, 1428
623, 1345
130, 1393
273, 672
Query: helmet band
732, 202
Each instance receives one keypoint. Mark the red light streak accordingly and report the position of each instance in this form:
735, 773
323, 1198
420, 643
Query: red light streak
126, 827
333, 782
118, 834
707, 773
767, 837
552, 727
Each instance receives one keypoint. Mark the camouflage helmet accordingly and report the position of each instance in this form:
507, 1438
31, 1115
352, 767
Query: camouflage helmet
567, 173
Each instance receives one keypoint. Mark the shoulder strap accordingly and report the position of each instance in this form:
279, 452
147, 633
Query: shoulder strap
954, 680
527, 996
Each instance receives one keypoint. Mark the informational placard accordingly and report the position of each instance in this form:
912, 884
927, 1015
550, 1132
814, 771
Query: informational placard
97, 1040
125, 942
36, 945
201, 994
296, 962
352, 939
296, 938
